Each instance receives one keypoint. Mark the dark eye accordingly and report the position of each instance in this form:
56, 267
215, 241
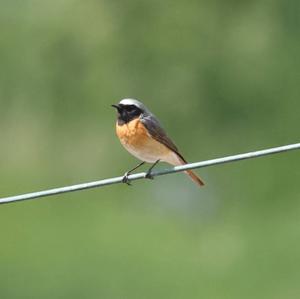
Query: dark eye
130, 108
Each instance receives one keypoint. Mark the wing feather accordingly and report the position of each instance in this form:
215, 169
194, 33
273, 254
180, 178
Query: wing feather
158, 133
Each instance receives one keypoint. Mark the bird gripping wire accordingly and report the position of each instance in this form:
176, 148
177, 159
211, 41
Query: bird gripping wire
142, 175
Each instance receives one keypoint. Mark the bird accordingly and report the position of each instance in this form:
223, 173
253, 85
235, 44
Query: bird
142, 135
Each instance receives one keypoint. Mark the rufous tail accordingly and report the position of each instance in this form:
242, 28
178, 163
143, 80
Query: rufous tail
190, 173
195, 178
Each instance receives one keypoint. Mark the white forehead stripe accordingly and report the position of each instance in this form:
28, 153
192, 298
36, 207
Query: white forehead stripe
130, 102
137, 104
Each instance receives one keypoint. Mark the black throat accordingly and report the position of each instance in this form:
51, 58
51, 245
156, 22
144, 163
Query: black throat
128, 113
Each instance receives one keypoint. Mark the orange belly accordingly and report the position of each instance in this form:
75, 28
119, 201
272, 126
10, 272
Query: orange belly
135, 138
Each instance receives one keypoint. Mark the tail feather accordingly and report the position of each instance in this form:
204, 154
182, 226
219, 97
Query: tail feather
190, 173
177, 159
195, 178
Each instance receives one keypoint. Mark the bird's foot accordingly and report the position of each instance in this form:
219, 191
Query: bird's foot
149, 176
127, 173
125, 179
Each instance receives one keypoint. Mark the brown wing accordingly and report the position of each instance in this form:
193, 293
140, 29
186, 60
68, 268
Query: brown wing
158, 133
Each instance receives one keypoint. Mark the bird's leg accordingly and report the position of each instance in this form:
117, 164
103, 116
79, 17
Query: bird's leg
127, 173
148, 174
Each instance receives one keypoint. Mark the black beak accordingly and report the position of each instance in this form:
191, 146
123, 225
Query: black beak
117, 107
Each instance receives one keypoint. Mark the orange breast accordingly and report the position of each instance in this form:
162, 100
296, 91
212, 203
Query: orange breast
135, 138
133, 133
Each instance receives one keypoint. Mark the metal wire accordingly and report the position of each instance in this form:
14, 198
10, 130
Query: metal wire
154, 173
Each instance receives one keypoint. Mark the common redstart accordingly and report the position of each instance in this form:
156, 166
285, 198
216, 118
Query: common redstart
142, 135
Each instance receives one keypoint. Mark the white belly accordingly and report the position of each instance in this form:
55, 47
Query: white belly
151, 155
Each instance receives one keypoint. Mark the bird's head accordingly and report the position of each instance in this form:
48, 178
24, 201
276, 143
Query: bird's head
129, 109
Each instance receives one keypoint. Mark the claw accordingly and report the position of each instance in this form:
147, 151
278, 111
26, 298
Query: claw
149, 176
125, 179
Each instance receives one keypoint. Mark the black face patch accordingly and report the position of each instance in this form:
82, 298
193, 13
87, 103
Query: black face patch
127, 113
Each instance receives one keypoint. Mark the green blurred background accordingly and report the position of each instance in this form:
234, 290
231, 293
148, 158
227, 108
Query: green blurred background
223, 76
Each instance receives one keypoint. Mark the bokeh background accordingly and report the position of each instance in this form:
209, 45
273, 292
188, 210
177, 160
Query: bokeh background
223, 77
